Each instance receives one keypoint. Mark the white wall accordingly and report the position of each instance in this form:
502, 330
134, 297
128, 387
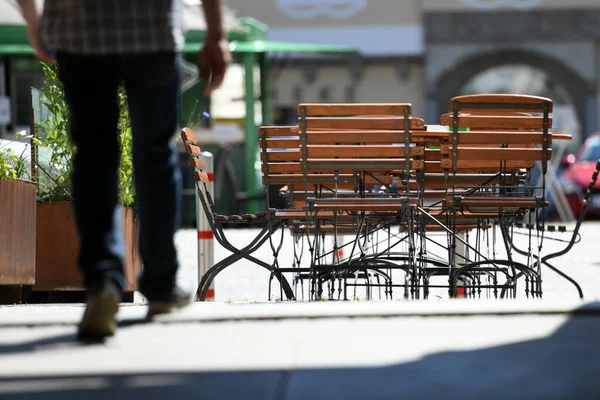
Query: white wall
379, 83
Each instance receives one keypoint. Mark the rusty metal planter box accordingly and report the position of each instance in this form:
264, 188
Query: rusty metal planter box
57, 248
17, 232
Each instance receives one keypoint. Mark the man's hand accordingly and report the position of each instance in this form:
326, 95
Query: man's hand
213, 61
34, 41
214, 58
31, 17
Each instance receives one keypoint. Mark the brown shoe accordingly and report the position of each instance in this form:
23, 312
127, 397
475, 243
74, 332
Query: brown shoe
178, 299
98, 321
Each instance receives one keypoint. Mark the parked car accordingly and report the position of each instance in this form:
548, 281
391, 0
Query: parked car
575, 178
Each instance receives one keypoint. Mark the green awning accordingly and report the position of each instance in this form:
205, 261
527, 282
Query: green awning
266, 46
16, 49
259, 46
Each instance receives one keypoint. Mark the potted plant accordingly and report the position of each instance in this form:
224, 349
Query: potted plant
17, 221
57, 238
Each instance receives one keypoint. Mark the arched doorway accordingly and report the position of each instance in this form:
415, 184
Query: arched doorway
508, 71
525, 79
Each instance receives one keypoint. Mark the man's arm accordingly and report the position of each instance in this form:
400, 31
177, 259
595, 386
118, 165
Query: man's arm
214, 19
214, 58
31, 17
28, 11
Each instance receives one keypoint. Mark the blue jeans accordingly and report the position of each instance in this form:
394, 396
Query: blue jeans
152, 85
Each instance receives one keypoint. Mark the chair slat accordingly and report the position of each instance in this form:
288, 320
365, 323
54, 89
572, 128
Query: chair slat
278, 131
349, 137
481, 153
193, 150
350, 164
355, 108
201, 176
376, 123
196, 162
518, 103
470, 166
281, 143
362, 151
496, 122
187, 135
502, 138
284, 155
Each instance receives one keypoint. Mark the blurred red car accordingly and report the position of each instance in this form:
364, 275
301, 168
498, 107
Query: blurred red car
576, 175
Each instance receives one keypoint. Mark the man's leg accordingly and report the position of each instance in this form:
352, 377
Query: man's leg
152, 83
90, 86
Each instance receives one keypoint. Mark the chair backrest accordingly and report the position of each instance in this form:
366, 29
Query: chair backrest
501, 103
195, 155
349, 147
197, 163
499, 131
494, 140
349, 138
358, 116
283, 163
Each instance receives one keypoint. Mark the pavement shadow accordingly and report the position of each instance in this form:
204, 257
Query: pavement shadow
62, 341
564, 365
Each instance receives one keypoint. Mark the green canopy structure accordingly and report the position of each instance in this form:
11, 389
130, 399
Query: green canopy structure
248, 42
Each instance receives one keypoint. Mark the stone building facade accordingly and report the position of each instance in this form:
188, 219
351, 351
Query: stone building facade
426, 51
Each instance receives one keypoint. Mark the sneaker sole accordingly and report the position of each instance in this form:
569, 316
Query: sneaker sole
99, 319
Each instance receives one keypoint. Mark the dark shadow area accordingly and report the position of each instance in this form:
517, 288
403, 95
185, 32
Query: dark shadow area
564, 365
30, 296
65, 341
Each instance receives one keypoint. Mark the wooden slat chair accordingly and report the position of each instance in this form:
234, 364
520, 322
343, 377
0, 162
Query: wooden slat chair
281, 160
329, 136
492, 126
217, 222
364, 140
433, 215
281, 163
348, 138
435, 183
504, 139
370, 131
506, 135
483, 121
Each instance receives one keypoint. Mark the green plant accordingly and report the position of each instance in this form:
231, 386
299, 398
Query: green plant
13, 165
7, 164
126, 182
56, 151
198, 117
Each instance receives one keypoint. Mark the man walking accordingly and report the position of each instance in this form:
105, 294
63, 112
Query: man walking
98, 45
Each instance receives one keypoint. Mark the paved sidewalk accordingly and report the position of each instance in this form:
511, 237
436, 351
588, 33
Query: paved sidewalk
441, 348
322, 350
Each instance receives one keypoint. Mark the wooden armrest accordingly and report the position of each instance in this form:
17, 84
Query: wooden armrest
561, 136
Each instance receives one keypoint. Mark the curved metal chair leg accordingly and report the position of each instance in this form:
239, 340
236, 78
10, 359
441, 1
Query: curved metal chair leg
567, 277
212, 273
